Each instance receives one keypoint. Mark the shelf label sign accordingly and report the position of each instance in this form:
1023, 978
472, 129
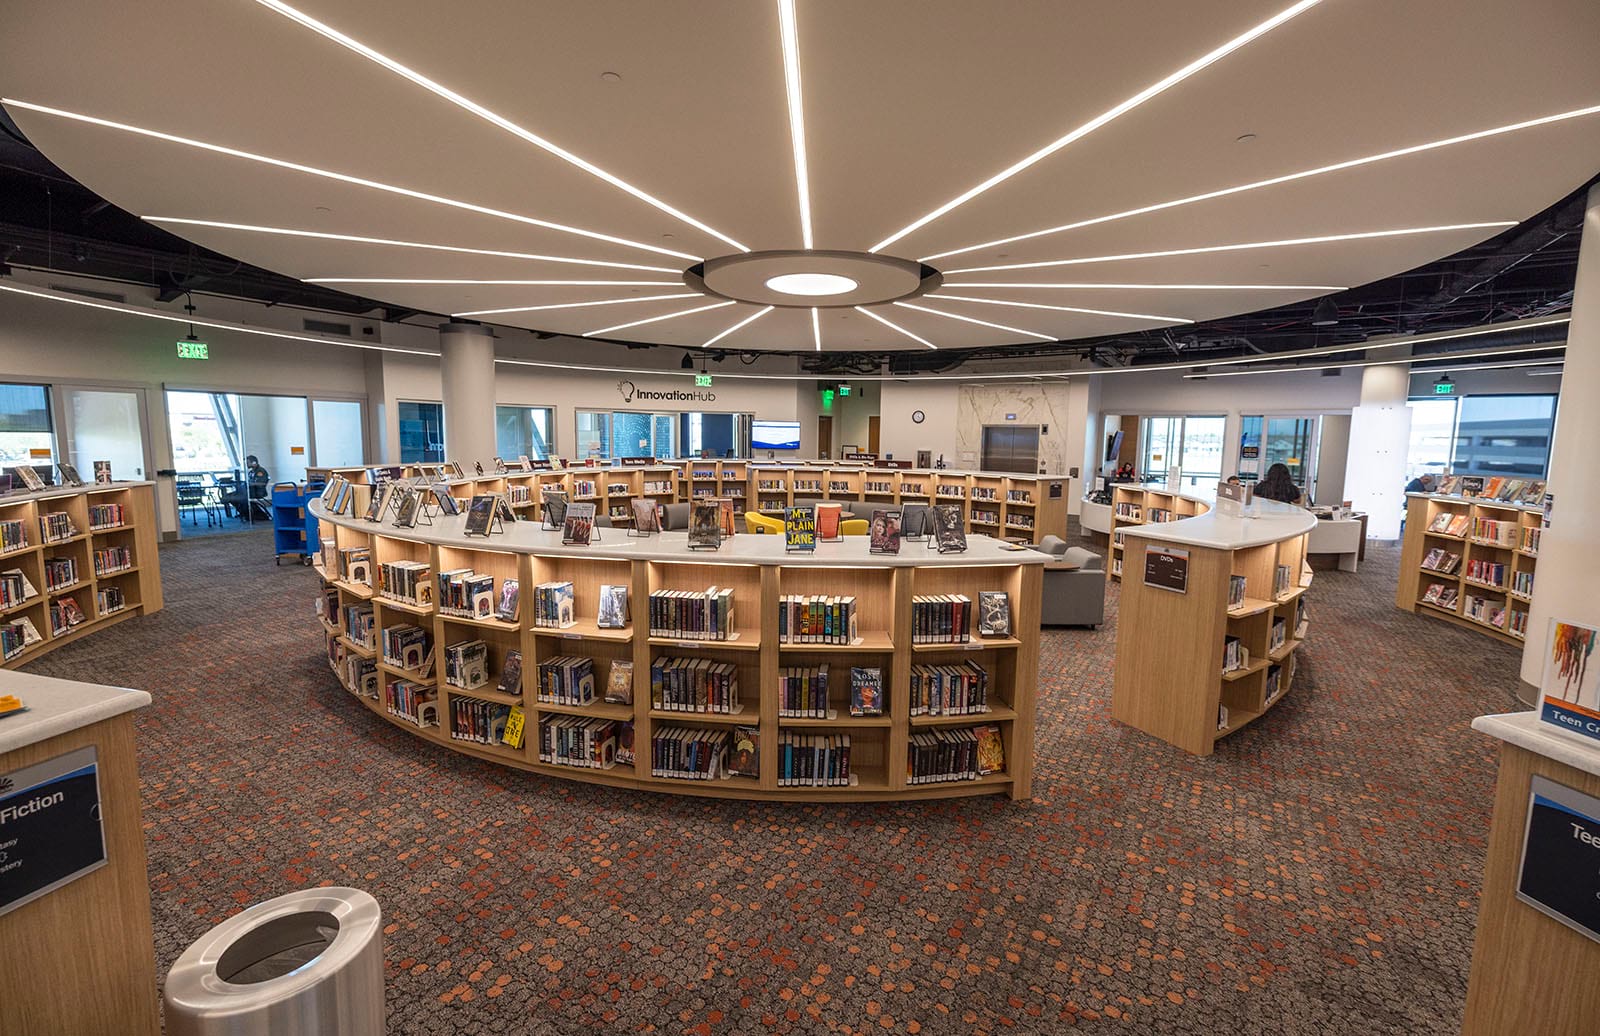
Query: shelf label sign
50, 831
1560, 871
189, 349
1166, 568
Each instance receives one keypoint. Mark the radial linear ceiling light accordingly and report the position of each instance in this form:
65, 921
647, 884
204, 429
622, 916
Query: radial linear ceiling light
1146, 287
571, 305
1464, 355
652, 320
789, 31
323, 236
488, 116
1322, 240
743, 323
1106, 117
816, 330
1276, 180
811, 284
975, 320
1063, 309
886, 323
241, 328
341, 177
517, 284
1325, 315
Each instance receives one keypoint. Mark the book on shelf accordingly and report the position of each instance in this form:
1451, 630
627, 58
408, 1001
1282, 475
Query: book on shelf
959, 689
961, 754
478, 721
13, 536
688, 753
948, 534
588, 742
60, 572
106, 516
1483, 571
1530, 540
941, 619
56, 526
554, 605
645, 516
406, 646
511, 674
695, 685
578, 527
817, 619
619, 683
359, 623
1235, 655
413, 701
1442, 561
803, 692
410, 582
355, 565
1281, 580
1236, 588
745, 758
516, 726
480, 513
1441, 522
566, 680
1433, 594
466, 664
814, 760
15, 588
800, 528
866, 691
1484, 610
705, 525
1522, 583
506, 607
692, 614
1519, 623
361, 676
613, 611
65, 613
883, 532
466, 594
994, 613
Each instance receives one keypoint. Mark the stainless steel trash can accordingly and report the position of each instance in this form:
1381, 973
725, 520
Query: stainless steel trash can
306, 964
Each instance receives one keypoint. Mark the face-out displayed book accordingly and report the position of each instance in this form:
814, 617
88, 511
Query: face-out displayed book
30, 477
948, 534
994, 613
554, 502
480, 512
578, 527
799, 528
645, 518
613, 613
884, 532
866, 691
829, 518
102, 472
705, 525
510, 594
406, 515
69, 474
380, 494
502, 508
447, 503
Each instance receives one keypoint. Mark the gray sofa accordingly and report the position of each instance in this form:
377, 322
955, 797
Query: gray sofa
1074, 585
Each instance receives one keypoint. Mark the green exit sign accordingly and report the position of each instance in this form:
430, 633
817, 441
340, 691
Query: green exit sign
1444, 388
702, 380
188, 349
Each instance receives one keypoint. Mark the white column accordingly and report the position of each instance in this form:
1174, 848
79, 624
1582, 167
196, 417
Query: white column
1564, 584
1380, 434
466, 370
1082, 434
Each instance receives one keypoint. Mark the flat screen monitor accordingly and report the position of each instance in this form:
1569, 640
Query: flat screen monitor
775, 435
1114, 445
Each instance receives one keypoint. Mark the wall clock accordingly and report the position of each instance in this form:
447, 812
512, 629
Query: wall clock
917, 416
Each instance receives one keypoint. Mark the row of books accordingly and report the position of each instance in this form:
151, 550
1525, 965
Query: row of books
941, 619
478, 721
688, 753
1278, 635
951, 492
1236, 588
13, 536
962, 754
803, 692
519, 494
1487, 571
412, 701
658, 487
1493, 530
467, 594
65, 613
694, 685
692, 615
15, 588
1530, 540
1485, 610
355, 565
882, 488
1519, 623
60, 572
555, 605
1282, 581
566, 680
1441, 596
110, 599
1018, 496
584, 741
985, 493
1442, 561
1131, 511
1274, 683
618, 489
1235, 655
949, 690
406, 646
359, 622
1450, 523
106, 516
57, 526
408, 581
814, 760
981, 516
1522, 583
816, 619
109, 560
466, 664
912, 489
1483, 487
1158, 515
17, 636
359, 676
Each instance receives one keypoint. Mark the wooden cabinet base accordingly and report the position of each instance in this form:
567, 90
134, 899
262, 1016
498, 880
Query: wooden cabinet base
1531, 974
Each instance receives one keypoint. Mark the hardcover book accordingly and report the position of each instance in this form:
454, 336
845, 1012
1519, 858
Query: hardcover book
69, 474
406, 516
828, 521
800, 528
884, 532
705, 525
446, 502
511, 673
866, 691
31, 479
645, 518
619, 683
102, 472
745, 760
375, 505
502, 507
578, 526
948, 534
991, 750
479, 514
994, 613
613, 614
506, 610
554, 503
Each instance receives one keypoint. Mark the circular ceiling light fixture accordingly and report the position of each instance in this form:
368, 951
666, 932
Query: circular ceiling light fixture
811, 284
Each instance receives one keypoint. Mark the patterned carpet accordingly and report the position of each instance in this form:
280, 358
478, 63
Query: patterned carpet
1319, 874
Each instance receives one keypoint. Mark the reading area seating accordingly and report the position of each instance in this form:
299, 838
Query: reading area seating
1074, 585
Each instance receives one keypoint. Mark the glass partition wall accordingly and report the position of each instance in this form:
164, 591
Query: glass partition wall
1291, 440
1191, 443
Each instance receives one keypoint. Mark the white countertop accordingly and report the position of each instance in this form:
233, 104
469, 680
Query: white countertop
1457, 498
58, 706
745, 548
1264, 521
52, 492
1526, 730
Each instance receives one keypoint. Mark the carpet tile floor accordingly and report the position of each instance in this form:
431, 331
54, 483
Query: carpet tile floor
1319, 874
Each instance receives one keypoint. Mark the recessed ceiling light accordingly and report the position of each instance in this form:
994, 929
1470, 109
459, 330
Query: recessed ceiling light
486, 115
1063, 309
811, 284
403, 244
884, 321
1105, 117
652, 320
1090, 286
1324, 239
743, 323
1244, 138
572, 305
789, 32
1274, 181
341, 177
975, 320
448, 280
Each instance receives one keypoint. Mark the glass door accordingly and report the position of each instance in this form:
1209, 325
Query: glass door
104, 424
1288, 440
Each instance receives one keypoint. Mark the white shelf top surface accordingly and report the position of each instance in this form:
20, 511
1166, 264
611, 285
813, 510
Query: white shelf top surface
745, 548
1526, 730
1264, 521
58, 707
57, 492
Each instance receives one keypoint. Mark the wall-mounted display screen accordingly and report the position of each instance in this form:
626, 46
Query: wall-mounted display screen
775, 435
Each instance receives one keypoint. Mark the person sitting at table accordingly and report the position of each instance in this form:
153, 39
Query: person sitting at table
1278, 485
238, 498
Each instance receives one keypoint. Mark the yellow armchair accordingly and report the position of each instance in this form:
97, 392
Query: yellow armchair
853, 527
756, 522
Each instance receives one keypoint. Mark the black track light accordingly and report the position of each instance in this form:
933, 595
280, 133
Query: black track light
1326, 314
688, 362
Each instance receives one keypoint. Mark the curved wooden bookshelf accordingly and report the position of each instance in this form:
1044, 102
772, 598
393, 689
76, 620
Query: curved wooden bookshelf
1172, 680
759, 573
135, 579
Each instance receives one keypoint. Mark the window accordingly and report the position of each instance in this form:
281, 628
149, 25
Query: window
1481, 435
1158, 441
613, 434
724, 435
594, 434
1291, 441
1192, 443
421, 432
25, 424
524, 431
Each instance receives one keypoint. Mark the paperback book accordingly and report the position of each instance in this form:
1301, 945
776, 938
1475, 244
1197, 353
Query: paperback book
480, 512
800, 528
613, 612
705, 525
506, 609
866, 691
745, 758
948, 534
884, 532
578, 526
994, 613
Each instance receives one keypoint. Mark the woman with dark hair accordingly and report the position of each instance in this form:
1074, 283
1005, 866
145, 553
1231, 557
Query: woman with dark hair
1278, 485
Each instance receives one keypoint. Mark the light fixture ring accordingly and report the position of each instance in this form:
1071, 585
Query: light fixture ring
873, 279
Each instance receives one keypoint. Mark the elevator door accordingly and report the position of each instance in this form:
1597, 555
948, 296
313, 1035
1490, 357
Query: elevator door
1010, 447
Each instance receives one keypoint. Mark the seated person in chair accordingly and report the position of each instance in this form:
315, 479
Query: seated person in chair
256, 479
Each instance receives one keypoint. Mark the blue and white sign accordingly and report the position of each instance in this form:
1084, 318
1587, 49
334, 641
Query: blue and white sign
50, 830
1560, 873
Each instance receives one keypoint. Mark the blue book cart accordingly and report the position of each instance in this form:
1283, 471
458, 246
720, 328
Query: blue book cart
294, 528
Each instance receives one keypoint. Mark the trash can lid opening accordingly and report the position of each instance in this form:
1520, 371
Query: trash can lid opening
279, 947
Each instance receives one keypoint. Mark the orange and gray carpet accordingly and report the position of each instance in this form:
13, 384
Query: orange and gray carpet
1319, 874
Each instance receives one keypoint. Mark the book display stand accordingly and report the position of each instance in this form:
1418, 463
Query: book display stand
705, 650
1470, 562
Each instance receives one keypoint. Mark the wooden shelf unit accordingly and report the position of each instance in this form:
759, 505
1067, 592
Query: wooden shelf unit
1520, 561
883, 592
1133, 505
140, 583
1169, 680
